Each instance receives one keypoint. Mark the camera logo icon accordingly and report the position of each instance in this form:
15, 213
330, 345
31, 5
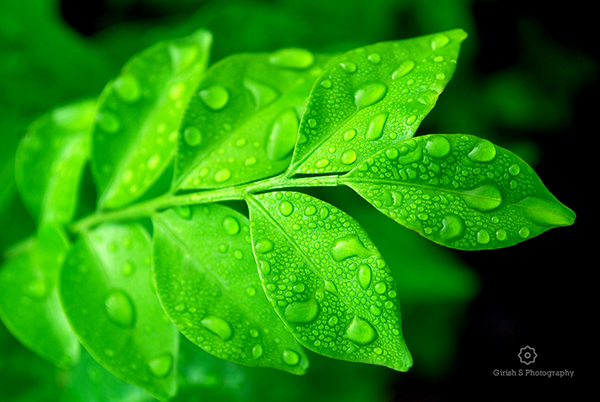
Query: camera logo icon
527, 355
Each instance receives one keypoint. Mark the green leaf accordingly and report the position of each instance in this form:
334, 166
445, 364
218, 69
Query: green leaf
242, 123
372, 97
29, 302
50, 161
135, 133
327, 280
459, 191
107, 291
208, 284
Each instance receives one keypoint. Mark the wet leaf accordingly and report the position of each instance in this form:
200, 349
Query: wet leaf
327, 280
242, 123
108, 294
459, 191
372, 97
135, 132
208, 284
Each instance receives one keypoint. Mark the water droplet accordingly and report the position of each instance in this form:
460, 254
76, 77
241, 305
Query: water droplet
411, 119
438, 146
222, 175
290, 357
364, 276
501, 234
218, 326
349, 135
153, 162
375, 310
374, 58
215, 97
544, 212
257, 351
440, 76
348, 66
282, 137
261, 93
231, 225
264, 246
119, 309
176, 91
326, 84
348, 157
301, 312
380, 288
361, 332
483, 237
250, 291
127, 88
161, 366
322, 163
184, 211
349, 246
514, 169
484, 198
369, 94
108, 122
375, 130
524, 232
286, 208
484, 151
292, 58
438, 41
392, 153
182, 55
37, 289
127, 268
452, 227
404, 68
192, 136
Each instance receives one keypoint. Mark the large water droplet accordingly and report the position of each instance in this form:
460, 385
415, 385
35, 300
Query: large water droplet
108, 122
375, 130
348, 157
286, 208
546, 212
484, 198
301, 312
127, 88
438, 146
218, 326
361, 332
264, 246
364, 276
263, 94
222, 175
369, 94
290, 357
292, 58
349, 246
452, 227
231, 225
282, 137
404, 68
119, 309
439, 41
215, 97
484, 151
192, 136
257, 351
162, 365
348, 66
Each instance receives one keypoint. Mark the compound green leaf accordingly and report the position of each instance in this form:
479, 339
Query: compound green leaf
372, 97
29, 303
327, 280
459, 191
207, 282
135, 132
242, 123
107, 291
50, 161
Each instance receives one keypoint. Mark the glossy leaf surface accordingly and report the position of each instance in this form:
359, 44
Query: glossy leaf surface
29, 303
459, 191
372, 97
327, 280
208, 284
108, 294
242, 123
50, 162
135, 132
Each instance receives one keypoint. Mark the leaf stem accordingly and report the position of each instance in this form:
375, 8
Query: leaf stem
147, 208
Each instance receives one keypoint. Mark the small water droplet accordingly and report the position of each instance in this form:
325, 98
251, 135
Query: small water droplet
215, 97
250, 291
37, 289
301, 312
264, 246
349, 135
282, 137
292, 58
375, 130
374, 58
438, 146
184, 211
127, 268
262, 94
501, 234
326, 84
108, 122
322, 163
483, 237
484, 198
222, 175
231, 225
392, 153
369, 94
484, 151
524, 232
361, 332
119, 309
348, 157
514, 169
290, 357
153, 162
404, 68
192, 136
438, 41
452, 227
349, 246
286, 208
257, 351
176, 91
218, 326
127, 88
380, 288
161, 366
348, 66
364, 276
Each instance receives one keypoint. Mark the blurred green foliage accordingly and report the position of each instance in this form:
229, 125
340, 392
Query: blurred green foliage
513, 78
